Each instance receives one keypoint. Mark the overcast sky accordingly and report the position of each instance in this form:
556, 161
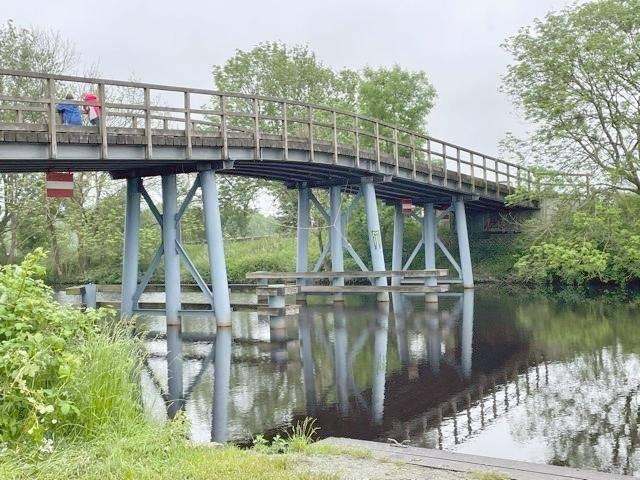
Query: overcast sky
457, 42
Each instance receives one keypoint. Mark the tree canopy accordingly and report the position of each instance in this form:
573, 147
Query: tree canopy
576, 76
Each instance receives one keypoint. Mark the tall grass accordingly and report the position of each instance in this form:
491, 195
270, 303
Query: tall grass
107, 393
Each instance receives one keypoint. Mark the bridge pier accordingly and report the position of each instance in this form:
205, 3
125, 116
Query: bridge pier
171, 256
398, 242
463, 243
215, 245
302, 238
336, 234
375, 236
130, 248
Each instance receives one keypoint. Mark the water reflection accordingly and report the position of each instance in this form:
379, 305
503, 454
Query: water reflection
506, 376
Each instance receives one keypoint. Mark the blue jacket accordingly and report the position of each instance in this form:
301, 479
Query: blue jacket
70, 114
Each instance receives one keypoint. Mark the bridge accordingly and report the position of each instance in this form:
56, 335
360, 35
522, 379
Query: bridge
149, 130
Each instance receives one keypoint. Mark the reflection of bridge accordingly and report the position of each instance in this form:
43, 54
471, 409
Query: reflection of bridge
443, 386
208, 132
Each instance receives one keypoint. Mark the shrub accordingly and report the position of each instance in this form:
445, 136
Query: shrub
41, 354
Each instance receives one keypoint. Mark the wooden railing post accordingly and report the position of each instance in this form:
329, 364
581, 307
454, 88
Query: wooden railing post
459, 167
357, 134
429, 160
223, 127
376, 130
484, 175
53, 140
256, 128
413, 156
395, 151
187, 125
335, 136
444, 162
285, 130
310, 125
102, 99
473, 171
147, 123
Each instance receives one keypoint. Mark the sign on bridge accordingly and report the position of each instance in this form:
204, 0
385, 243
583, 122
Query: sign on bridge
59, 185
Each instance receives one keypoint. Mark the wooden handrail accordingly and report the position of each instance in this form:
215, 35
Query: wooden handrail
398, 143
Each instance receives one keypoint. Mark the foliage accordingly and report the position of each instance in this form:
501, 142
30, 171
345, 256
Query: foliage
397, 96
297, 440
581, 242
576, 74
41, 354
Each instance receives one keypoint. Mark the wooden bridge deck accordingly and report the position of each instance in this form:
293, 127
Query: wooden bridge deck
247, 135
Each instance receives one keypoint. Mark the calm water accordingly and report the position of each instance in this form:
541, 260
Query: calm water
506, 375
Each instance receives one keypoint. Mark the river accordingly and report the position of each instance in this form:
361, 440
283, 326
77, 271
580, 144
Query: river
509, 374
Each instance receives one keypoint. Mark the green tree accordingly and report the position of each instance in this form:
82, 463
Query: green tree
576, 76
397, 96
274, 69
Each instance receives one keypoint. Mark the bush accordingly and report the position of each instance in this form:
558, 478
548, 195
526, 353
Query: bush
596, 241
45, 353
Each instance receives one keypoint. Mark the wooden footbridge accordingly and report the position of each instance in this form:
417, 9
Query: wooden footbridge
156, 130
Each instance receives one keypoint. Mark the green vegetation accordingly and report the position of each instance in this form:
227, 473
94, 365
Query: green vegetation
597, 240
70, 403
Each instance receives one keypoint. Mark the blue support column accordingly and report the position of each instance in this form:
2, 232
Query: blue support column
467, 332
429, 236
130, 249
463, 243
335, 234
375, 236
222, 376
302, 241
171, 255
215, 245
398, 241
380, 339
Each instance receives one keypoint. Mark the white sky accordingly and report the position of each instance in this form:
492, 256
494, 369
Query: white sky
457, 42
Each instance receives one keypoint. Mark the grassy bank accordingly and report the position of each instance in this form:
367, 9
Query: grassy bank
70, 400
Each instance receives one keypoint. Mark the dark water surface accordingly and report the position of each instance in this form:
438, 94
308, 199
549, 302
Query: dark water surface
514, 375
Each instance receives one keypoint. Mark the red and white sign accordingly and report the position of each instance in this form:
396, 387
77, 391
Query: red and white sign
407, 206
59, 185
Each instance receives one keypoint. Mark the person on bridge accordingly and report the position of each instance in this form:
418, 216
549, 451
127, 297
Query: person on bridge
92, 111
69, 112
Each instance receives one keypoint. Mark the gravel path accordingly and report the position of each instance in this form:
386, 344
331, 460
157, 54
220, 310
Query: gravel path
345, 467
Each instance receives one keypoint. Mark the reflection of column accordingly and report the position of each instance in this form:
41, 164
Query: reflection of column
380, 337
306, 354
221, 375
341, 364
467, 332
433, 336
278, 334
174, 370
400, 318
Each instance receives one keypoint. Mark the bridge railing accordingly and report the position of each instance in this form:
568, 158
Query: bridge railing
149, 110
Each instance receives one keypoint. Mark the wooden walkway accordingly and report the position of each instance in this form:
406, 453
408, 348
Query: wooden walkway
460, 462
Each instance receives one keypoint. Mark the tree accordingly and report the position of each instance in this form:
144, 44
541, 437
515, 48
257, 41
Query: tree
33, 50
576, 76
397, 96
274, 69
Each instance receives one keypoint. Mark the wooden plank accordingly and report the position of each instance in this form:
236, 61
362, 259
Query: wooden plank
439, 272
372, 289
271, 290
461, 462
159, 287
